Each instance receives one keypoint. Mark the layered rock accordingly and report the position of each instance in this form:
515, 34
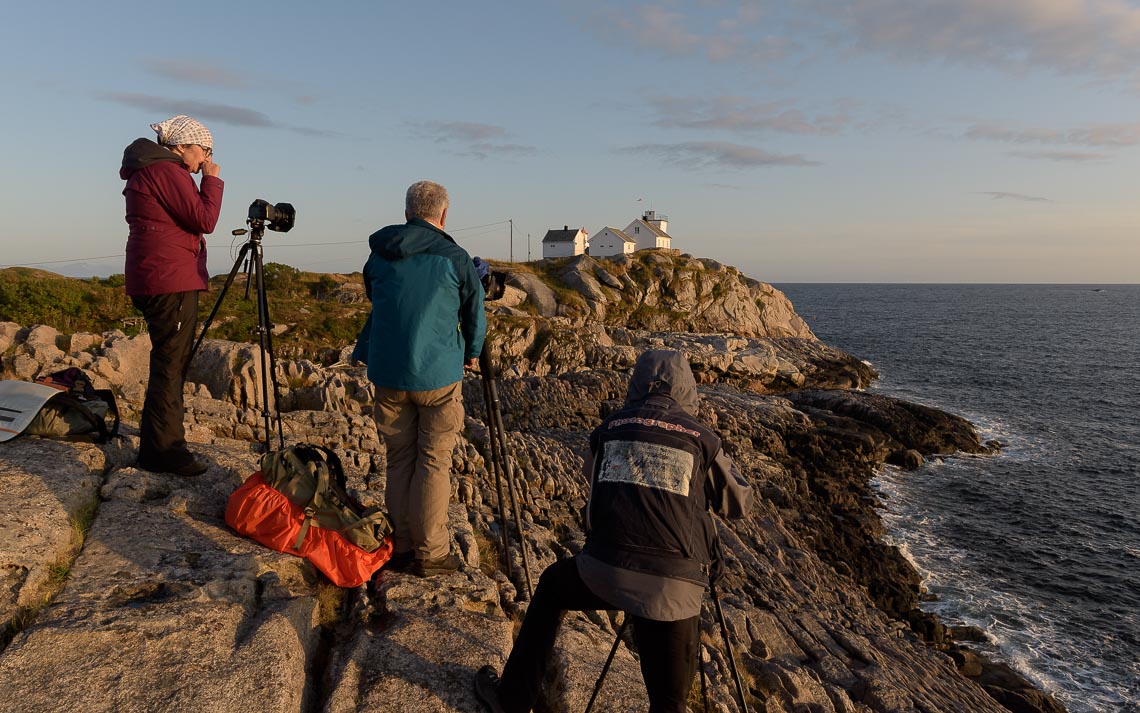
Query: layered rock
165, 608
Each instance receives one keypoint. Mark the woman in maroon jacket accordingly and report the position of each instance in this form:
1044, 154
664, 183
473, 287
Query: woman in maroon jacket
166, 268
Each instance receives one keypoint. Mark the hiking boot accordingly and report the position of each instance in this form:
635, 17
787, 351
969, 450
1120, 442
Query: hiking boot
440, 565
487, 689
183, 463
402, 561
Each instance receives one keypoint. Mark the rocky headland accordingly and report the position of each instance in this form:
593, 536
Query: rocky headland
124, 590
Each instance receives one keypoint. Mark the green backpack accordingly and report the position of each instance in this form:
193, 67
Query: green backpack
313, 480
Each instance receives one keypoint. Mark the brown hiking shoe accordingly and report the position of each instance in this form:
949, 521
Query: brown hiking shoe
440, 565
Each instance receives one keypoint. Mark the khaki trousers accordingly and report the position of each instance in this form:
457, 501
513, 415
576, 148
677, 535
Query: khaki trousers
419, 429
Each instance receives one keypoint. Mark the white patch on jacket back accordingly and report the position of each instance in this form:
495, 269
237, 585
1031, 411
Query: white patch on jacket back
649, 465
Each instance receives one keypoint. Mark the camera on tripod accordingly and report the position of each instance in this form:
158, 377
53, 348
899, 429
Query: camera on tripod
278, 218
494, 285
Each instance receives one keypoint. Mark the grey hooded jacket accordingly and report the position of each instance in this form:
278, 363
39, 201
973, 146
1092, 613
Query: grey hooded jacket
655, 472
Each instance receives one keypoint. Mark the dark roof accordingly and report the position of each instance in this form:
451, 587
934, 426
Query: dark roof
620, 233
654, 229
561, 236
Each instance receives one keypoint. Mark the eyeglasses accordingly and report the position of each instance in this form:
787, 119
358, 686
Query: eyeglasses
208, 151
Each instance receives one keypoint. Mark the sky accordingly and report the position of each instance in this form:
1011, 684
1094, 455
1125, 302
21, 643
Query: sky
807, 141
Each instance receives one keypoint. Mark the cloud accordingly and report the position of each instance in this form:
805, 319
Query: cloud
1002, 195
1114, 135
717, 154
444, 131
1062, 156
195, 72
662, 29
208, 112
1099, 38
477, 139
739, 114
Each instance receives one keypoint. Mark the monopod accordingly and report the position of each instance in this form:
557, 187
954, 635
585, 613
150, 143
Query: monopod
500, 463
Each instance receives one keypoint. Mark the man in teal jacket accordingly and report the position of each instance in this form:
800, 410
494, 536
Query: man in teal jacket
427, 324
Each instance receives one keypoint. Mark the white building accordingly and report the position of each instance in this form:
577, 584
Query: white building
564, 243
648, 231
611, 241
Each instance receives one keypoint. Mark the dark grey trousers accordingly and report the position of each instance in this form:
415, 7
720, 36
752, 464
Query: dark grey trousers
667, 649
171, 320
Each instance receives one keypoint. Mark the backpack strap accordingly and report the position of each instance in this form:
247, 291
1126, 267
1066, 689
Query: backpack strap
64, 399
372, 516
322, 472
107, 396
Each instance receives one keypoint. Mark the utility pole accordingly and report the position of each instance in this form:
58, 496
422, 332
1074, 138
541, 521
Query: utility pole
512, 222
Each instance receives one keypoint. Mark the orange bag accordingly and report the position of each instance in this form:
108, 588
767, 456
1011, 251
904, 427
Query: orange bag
263, 514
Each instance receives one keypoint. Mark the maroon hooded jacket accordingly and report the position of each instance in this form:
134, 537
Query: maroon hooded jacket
167, 214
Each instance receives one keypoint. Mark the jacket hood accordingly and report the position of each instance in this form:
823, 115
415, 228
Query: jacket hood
400, 241
665, 372
142, 153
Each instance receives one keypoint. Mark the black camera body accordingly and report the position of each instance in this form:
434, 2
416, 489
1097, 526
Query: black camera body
494, 285
278, 218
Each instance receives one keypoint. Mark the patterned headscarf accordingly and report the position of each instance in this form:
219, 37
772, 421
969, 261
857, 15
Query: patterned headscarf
182, 129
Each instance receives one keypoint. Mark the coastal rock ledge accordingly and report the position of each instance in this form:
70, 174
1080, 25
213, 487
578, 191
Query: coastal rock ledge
125, 591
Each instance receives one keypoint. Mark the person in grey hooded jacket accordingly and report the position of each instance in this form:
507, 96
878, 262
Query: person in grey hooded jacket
655, 472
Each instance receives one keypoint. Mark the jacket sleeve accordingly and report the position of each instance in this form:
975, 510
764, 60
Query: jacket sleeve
360, 351
729, 494
472, 318
588, 471
194, 209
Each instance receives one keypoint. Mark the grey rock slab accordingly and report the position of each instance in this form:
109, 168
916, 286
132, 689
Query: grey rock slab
8, 332
166, 610
45, 483
579, 654
423, 654
537, 292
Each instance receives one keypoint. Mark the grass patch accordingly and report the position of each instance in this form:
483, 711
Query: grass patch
488, 553
330, 602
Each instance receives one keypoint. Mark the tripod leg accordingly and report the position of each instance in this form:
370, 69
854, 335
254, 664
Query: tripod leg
263, 341
496, 469
495, 414
266, 328
609, 660
728, 647
701, 666
218, 303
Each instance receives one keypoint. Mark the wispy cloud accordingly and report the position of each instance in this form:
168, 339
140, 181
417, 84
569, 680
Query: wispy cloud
1110, 135
476, 140
195, 72
208, 111
661, 28
1002, 195
1099, 38
717, 154
739, 114
1061, 156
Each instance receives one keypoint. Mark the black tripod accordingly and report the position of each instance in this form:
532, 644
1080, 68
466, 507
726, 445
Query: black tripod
255, 272
497, 447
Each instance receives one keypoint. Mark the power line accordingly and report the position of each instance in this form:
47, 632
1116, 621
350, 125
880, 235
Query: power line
279, 245
56, 262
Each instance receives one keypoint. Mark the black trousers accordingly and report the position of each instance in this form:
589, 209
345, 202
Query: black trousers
171, 320
668, 649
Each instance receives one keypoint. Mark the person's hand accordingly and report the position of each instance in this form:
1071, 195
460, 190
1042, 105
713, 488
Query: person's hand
209, 168
471, 364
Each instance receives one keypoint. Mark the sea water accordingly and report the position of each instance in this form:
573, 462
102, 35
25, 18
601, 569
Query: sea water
1039, 545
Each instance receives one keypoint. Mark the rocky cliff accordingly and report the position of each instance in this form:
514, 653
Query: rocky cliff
124, 590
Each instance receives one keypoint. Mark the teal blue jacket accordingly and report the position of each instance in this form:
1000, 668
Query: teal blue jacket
427, 308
